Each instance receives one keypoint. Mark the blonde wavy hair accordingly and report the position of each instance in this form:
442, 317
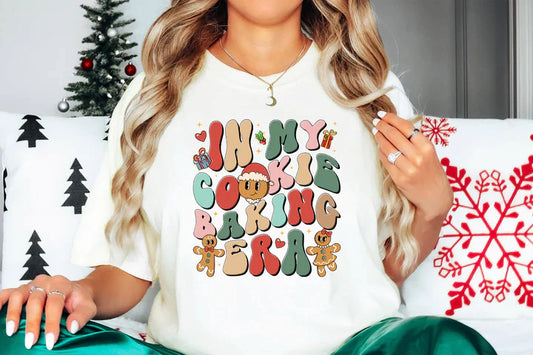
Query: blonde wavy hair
173, 52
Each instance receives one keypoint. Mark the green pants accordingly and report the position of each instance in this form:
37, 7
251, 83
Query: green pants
409, 336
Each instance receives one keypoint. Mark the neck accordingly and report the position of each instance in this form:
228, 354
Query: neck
261, 49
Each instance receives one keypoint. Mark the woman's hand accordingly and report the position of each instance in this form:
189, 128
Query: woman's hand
51, 294
417, 172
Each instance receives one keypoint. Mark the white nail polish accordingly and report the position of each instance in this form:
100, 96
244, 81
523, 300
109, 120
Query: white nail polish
28, 341
374, 130
375, 121
50, 339
381, 114
10, 328
74, 327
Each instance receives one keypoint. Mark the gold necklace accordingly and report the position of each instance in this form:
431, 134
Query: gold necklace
270, 85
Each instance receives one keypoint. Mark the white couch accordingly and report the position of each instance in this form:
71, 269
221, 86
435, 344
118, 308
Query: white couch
461, 278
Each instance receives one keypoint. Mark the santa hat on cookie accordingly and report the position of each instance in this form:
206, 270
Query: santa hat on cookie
255, 172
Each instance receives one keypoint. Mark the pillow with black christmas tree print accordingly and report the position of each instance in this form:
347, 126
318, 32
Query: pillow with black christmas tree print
482, 265
49, 165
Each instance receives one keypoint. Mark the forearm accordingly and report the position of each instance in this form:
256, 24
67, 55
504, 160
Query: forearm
425, 229
114, 291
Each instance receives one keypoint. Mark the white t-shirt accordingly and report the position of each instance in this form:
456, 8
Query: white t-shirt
290, 191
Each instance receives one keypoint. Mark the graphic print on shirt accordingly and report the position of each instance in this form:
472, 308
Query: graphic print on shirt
325, 253
208, 253
287, 187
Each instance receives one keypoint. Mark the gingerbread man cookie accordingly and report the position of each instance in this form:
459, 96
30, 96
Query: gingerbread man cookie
208, 253
324, 252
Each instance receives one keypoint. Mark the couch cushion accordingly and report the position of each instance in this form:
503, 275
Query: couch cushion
482, 266
49, 164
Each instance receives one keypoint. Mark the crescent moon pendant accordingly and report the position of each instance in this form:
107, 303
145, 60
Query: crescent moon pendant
274, 101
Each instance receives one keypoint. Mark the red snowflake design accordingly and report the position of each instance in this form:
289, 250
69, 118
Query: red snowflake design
500, 262
437, 130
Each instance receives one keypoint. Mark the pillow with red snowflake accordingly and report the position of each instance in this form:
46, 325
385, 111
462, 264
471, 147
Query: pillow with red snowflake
482, 265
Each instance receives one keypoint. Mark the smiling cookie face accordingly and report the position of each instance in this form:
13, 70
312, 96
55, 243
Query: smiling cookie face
254, 182
253, 190
322, 238
209, 241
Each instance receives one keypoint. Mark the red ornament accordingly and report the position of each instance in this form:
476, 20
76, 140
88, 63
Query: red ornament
87, 64
130, 69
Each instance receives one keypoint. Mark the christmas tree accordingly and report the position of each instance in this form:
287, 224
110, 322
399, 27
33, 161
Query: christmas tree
101, 65
31, 131
76, 190
35, 263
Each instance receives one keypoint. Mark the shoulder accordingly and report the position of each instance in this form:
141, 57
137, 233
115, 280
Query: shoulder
123, 105
134, 87
398, 96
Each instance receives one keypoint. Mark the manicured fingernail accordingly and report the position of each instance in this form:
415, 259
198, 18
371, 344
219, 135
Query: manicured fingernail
375, 121
50, 338
374, 130
74, 327
381, 114
10, 328
28, 341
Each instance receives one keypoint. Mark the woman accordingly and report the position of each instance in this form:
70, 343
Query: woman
244, 174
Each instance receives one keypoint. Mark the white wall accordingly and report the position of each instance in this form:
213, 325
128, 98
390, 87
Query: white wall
419, 38
39, 44
524, 58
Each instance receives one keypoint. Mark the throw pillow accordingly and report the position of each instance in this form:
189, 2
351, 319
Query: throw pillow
49, 164
482, 266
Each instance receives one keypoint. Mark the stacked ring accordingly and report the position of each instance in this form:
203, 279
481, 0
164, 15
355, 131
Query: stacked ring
413, 132
33, 288
57, 292
393, 156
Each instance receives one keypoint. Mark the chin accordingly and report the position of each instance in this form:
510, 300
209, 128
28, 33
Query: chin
264, 12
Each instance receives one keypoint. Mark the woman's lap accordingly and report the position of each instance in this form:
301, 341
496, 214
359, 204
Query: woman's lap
427, 335
418, 335
94, 338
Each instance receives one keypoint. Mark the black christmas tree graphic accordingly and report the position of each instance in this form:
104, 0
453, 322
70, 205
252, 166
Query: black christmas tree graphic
35, 263
107, 130
76, 190
5, 176
31, 131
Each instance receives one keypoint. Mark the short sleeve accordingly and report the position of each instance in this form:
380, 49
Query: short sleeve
404, 109
399, 98
90, 245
